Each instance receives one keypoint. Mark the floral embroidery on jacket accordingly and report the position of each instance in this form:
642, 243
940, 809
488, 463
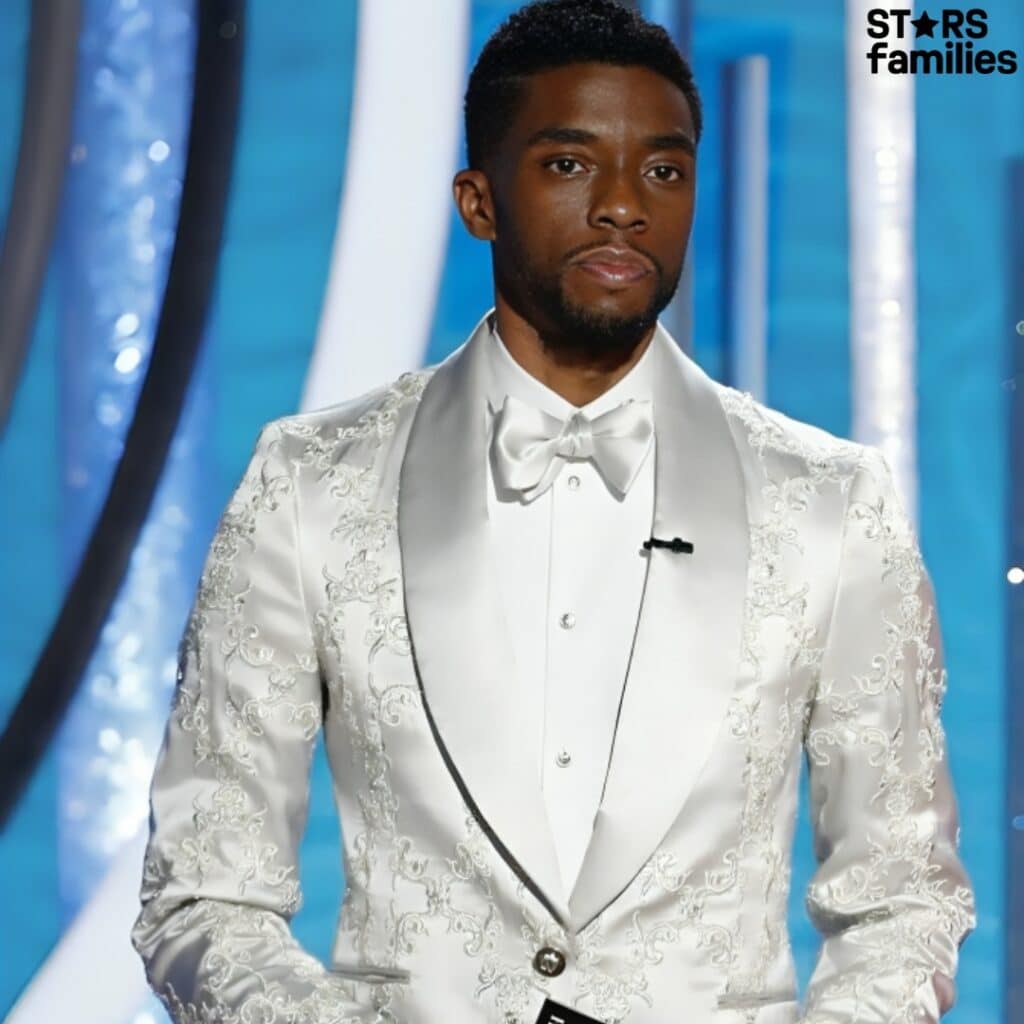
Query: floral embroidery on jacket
220, 887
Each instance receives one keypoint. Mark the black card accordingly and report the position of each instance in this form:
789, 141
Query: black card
555, 1013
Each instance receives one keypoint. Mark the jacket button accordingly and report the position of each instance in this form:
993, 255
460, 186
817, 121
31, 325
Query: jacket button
549, 961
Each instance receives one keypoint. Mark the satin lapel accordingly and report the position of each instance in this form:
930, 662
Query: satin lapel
488, 733
686, 649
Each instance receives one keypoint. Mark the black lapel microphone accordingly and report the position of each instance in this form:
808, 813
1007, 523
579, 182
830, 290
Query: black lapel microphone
676, 545
558, 1013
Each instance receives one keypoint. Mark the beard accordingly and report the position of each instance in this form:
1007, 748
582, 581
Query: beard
573, 333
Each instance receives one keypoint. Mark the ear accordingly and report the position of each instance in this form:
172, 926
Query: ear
472, 192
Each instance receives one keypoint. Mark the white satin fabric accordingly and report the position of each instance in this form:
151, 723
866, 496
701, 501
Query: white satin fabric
350, 587
530, 446
575, 548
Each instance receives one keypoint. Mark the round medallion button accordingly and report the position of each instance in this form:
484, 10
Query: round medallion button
567, 621
574, 482
549, 961
563, 757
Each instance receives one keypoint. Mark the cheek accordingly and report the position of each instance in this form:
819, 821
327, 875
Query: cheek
539, 235
526, 252
676, 208
541, 205
672, 234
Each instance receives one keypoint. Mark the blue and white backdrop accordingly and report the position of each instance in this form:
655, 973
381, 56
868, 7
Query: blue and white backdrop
857, 261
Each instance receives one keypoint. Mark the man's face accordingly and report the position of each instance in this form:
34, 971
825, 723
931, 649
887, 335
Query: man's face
593, 189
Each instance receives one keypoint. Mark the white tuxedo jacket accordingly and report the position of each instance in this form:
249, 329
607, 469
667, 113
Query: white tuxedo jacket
350, 587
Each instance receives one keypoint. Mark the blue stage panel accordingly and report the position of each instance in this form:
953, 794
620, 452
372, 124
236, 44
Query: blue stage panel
965, 330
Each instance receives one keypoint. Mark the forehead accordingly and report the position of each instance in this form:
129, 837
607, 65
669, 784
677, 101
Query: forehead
607, 99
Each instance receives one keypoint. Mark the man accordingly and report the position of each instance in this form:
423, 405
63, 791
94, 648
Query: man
570, 614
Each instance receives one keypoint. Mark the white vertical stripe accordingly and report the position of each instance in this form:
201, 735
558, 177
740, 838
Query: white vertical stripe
392, 230
748, 275
883, 327
93, 968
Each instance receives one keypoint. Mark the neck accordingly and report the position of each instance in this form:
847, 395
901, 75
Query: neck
577, 381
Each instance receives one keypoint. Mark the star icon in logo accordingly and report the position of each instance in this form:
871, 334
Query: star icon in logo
923, 25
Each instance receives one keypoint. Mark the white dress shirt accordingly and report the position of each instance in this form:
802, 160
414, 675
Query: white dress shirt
571, 571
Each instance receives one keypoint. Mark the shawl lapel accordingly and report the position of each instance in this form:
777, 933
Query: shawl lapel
685, 655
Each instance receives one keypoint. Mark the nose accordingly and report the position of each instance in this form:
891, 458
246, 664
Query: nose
617, 202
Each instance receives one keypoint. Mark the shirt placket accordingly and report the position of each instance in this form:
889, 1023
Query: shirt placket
567, 755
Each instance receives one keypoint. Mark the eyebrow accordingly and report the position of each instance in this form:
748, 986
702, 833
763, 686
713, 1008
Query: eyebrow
669, 140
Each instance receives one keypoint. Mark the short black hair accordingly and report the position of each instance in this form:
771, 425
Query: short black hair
553, 33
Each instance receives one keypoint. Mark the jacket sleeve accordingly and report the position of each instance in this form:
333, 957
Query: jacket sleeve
229, 794
890, 895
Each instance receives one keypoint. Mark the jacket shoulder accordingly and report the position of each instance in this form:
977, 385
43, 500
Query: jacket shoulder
805, 447
371, 417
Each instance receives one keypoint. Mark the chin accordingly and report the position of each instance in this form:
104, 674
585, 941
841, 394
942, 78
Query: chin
622, 305
597, 330
619, 306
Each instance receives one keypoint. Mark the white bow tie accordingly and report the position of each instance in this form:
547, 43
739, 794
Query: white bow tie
530, 446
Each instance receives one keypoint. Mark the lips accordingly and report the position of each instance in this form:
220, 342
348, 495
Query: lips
613, 264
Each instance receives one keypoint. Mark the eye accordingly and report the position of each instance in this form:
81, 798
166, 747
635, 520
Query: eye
564, 165
664, 172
